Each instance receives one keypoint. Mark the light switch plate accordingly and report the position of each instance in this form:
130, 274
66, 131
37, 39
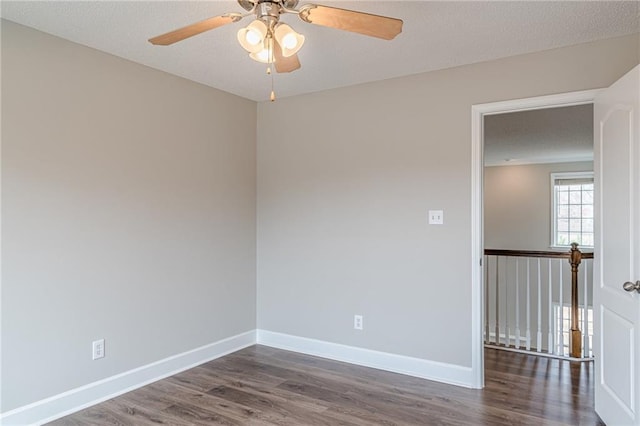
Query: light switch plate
436, 217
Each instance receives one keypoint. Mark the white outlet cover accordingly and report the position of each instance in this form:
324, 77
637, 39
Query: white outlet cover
436, 217
358, 322
98, 349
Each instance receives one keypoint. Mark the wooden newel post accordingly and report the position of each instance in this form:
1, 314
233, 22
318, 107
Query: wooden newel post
576, 334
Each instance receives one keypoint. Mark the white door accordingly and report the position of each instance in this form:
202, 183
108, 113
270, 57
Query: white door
617, 259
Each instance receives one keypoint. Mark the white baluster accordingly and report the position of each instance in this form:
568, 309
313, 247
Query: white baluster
539, 335
487, 338
561, 337
528, 306
497, 304
517, 330
507, 341
550, 309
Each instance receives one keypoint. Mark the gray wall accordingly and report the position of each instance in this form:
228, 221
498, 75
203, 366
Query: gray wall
345, 179
128, 213
517, 204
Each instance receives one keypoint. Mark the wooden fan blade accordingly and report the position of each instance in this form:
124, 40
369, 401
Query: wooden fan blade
350, 20
194, 29
284, 63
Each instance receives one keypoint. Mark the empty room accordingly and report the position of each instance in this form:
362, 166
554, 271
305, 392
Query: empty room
263, 212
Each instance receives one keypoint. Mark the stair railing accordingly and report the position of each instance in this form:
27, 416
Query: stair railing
507, 290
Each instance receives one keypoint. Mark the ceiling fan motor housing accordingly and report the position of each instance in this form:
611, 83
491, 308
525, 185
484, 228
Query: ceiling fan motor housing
251, 4
269, 13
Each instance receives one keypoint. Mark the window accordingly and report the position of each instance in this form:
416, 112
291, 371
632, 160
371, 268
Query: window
572, 209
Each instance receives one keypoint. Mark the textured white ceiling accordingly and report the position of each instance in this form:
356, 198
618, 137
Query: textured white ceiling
549, 135
436, 35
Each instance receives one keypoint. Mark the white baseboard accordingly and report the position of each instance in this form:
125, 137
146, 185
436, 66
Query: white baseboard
432, 370
63, 404
74, 400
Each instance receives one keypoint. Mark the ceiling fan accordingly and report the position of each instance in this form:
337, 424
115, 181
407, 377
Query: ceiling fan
273, 42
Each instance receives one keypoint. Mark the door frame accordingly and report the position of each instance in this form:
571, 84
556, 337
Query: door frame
478, 111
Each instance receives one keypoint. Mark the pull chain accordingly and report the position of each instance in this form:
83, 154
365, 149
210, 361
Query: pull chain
272, 97
273, 94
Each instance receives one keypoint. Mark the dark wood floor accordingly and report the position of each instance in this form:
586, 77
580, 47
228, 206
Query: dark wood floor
265, 386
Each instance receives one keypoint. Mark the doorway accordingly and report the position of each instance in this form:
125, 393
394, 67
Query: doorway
479, 113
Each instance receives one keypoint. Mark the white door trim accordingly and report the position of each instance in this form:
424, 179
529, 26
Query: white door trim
478, 112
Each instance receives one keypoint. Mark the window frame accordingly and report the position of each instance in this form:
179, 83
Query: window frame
554, 176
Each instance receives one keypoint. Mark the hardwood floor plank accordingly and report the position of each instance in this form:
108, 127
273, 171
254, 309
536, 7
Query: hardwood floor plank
181, 395
119, 412
273, 408
155, 396
262, 386
197, 415
200, 379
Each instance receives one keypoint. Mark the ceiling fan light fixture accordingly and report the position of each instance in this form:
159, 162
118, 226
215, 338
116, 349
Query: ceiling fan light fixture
289, 40
252, 37
265, 54
275, 43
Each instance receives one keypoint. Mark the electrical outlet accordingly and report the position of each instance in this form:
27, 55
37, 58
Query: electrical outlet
436, 217
357, 322
98, 349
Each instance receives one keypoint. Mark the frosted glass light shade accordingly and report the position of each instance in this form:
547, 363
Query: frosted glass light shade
251, 38
289, 40
261, 56
264, 55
